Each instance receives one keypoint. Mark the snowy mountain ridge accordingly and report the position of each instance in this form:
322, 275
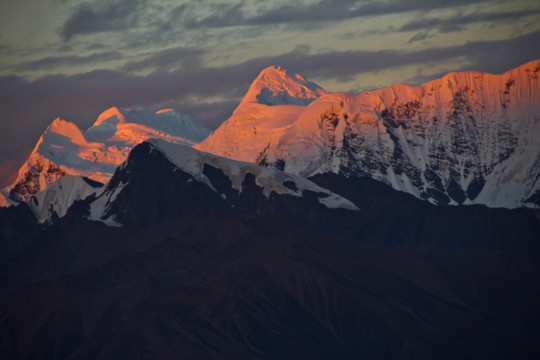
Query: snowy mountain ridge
466, 138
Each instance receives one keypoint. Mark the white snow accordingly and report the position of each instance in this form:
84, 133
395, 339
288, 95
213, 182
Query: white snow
58, 197
284, 117
100, 206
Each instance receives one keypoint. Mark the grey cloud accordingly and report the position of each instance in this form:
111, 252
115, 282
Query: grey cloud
398, 6
420, 36
211, 114
68, 60
449, 27
167, 59
320, 11
102, 16
491, 56
456, 22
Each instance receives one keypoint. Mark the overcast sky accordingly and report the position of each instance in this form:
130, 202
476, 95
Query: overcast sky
74, 59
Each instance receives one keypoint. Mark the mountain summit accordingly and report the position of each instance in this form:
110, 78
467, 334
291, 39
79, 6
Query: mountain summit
271, 105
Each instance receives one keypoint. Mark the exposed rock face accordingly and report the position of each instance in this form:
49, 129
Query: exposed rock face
31, 182
467, 138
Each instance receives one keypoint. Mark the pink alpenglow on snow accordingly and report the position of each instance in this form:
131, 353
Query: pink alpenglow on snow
64, 149
467, 138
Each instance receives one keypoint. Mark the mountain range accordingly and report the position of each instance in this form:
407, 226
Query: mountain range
399, 223
467, 138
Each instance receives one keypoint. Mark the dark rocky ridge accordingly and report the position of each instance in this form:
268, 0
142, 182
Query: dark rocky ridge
153, 189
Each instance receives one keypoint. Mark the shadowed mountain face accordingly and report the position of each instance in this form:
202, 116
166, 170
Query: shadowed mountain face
279, 277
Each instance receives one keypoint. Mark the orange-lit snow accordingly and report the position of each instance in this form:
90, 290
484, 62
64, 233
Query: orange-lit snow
64, 149
272, 104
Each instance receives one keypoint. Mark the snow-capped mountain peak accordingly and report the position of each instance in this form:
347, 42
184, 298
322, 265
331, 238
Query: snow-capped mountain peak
113, 112
278, 86
465, 138
135, 126
66, 128
273, 102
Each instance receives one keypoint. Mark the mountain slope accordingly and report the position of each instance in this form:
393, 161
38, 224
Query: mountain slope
64, 149
465, 138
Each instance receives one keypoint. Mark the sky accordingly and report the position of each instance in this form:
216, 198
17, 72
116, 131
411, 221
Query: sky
74, 59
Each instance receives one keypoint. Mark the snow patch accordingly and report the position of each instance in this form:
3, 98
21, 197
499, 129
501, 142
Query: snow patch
270, 180
56, 199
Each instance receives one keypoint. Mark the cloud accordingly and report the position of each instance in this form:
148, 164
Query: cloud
101, 16
193, 15
456, 22
167, 59
420, 36
490, 56
212, 114
67, 60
